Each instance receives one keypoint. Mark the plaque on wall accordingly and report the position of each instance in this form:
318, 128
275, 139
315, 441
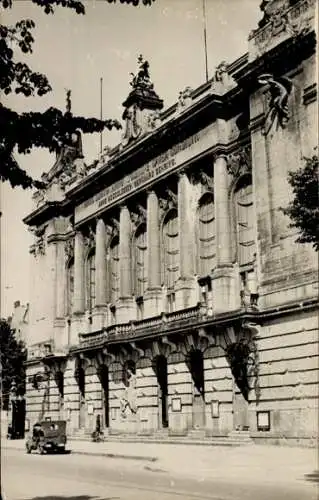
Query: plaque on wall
215, 409
90, 409
176, 404
263, 420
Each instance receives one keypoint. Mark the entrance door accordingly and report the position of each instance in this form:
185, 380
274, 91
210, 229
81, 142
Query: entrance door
197, 372
104, 379
161, 372
240, 409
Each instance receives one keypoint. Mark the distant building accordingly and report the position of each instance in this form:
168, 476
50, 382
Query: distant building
19, 321
169, 295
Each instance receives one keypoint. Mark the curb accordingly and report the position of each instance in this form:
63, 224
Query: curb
114, 455
95, 454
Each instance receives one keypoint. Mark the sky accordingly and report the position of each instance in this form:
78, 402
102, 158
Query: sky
75, 52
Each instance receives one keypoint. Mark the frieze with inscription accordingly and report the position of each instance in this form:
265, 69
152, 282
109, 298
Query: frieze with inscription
143, 176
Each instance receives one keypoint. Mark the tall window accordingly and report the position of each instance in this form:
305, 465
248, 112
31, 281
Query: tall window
246, 245
207, 235
91, 280
70, 287
171, 249
140, 270
114, 270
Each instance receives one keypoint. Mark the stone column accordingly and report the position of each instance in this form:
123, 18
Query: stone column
153, 242
60, 284
222, 212
125, 307
100, 263
153, 301
79, 281
99, 315
186, 286
60, 280
226, 281
125, 253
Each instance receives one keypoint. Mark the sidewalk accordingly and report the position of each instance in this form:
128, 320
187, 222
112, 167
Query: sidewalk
257, 462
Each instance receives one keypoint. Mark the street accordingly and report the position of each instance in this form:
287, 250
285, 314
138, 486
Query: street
85, 477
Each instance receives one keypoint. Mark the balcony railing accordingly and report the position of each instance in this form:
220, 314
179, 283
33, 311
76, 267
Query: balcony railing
135, 329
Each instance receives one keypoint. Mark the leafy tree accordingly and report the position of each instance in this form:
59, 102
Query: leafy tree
304, 208
12, 357
20, 132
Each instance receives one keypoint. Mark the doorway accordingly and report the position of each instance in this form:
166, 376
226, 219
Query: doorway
81, 384
196, 366
240, 410
104, 379
162, 381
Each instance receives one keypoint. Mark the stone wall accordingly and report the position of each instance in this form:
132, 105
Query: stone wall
288, 378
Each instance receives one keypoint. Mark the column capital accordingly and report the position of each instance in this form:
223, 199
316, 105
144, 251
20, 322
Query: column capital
182, 173
150, 192
220, 156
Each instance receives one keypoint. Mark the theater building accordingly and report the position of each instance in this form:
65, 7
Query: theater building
168, 294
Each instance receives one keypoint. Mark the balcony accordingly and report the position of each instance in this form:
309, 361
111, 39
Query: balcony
143, 328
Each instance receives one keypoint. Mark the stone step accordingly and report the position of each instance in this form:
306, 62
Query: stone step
192, 439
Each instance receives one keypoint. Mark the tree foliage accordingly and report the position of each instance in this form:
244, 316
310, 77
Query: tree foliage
12, 357
20, 132
303, 210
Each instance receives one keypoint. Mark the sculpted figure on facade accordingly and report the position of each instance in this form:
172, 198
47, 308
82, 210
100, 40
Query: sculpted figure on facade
222, 77
278, 113
128, 398
142, 79
185, 98
153, 120
141, 106
239, 163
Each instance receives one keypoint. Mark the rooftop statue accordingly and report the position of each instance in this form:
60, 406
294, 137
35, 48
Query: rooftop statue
142, 79
280, 90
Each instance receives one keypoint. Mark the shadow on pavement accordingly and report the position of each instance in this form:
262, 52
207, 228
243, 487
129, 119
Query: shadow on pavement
313, 476
78, 497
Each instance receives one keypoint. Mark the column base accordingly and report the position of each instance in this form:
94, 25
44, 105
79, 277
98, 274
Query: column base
226, 289
186, 293
99, 317
125, 310
78, 325
153, 302
60, 334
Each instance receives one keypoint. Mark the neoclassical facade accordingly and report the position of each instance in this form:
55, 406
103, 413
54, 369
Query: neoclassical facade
169, 296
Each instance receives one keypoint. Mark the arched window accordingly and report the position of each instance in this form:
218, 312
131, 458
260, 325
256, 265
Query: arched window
114, 270
206, 235
91, 280
246, 244
171, 249
70, 287
140, 270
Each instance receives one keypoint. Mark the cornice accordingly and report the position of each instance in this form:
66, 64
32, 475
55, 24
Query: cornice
47, 211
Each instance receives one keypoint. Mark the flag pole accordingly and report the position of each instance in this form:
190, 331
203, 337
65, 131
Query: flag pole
205, 39
101, 113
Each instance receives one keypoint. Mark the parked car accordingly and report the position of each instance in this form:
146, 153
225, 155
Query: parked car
47, 436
